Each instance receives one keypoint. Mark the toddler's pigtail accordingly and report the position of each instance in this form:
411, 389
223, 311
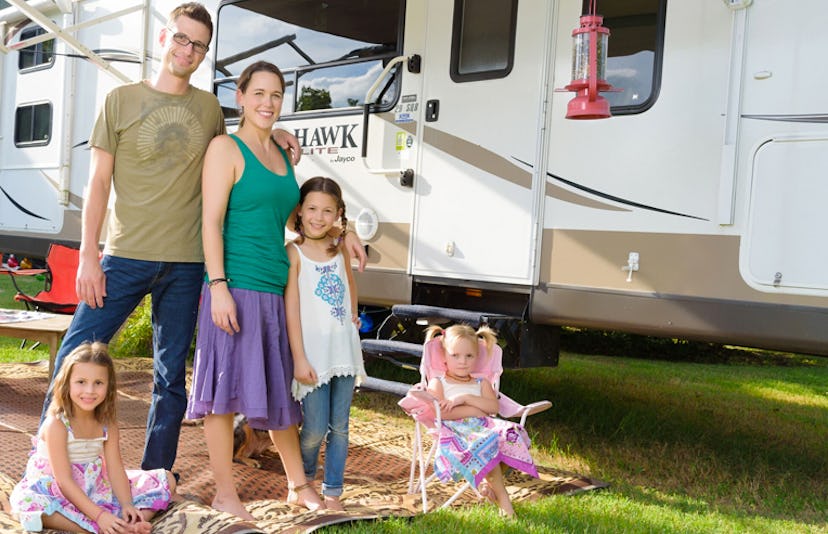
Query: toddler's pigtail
488, 336
433, 331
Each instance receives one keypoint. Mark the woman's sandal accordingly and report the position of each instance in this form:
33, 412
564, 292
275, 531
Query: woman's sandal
293, 497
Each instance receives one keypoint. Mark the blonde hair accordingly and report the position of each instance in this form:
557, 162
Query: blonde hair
97, 354
462, 331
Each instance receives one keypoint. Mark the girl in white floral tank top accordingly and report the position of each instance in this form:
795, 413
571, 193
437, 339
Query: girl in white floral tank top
322, 322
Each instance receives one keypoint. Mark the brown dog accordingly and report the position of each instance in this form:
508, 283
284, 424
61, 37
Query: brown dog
248, 443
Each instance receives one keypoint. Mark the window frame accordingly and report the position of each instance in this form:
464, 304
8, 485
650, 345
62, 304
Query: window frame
293, 74
28, 33
658, 65
33, 106
456, 32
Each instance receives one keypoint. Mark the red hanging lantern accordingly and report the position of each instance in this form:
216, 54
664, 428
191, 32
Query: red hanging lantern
589, 64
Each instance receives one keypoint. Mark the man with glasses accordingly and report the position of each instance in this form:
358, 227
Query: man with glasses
183, 40
149, 142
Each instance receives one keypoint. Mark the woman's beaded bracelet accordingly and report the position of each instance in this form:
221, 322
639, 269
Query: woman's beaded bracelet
215, 281
99, 515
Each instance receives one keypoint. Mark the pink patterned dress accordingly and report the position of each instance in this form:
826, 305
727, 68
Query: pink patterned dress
38, 493
469, 448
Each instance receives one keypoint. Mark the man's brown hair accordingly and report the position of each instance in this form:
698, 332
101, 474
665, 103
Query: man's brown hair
195, 11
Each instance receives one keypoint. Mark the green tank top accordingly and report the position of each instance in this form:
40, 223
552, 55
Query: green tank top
254, 225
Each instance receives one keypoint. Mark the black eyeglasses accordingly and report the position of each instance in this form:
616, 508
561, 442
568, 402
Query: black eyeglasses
183, 40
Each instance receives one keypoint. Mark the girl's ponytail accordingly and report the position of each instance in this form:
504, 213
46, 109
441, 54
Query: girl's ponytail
433, 331
488, 336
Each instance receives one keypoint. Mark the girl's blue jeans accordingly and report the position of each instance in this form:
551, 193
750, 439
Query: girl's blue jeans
325, 413
175, 289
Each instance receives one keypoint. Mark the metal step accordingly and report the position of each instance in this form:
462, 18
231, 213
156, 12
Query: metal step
431, 313
387, 346
385, 386
388, 350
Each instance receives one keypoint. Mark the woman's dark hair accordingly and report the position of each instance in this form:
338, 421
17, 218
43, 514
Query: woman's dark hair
250, 70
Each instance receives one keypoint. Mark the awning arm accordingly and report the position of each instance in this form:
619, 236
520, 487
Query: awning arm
73, 43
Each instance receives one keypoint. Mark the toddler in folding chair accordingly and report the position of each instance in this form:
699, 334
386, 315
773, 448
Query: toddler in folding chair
473, 445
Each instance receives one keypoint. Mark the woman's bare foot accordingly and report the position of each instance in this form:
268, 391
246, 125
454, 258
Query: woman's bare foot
232, 506
304, 495
332, 503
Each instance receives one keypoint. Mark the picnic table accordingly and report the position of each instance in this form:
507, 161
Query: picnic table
46, 328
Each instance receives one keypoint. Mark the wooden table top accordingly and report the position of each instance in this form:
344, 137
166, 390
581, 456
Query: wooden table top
40, 321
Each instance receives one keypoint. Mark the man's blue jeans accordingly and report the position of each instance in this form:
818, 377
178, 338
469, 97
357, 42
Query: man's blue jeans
325, 411
175, 290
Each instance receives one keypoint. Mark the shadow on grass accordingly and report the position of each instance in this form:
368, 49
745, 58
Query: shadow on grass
612, 343
764, 455
746, 435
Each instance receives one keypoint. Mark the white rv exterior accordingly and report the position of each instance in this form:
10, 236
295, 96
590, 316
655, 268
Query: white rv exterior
695, 211
59, 60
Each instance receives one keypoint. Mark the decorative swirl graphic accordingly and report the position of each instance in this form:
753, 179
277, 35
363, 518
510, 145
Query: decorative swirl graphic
331, 289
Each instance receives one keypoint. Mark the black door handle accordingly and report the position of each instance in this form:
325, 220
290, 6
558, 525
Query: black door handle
432, 110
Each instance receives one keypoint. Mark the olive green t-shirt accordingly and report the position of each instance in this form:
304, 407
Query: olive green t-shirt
158, 141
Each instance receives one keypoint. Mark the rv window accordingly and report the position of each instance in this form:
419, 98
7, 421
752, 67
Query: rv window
636, 46
483, 39
33, 125
40, 55
330, 52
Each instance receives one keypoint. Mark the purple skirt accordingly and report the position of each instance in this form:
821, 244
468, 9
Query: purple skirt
249, 372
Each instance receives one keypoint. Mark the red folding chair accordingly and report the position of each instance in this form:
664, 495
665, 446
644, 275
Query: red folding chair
58, 295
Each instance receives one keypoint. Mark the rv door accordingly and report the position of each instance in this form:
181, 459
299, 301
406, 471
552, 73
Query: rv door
476, 193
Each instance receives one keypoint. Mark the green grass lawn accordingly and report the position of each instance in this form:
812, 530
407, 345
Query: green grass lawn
135, 339
686, 447
736, 446
10, 350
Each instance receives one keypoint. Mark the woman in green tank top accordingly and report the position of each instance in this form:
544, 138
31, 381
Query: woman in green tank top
243, 361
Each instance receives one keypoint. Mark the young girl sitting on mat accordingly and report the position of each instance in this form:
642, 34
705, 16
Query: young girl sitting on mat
75, 478
473, 445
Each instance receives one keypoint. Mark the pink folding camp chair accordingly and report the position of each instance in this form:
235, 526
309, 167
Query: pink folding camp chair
425, 410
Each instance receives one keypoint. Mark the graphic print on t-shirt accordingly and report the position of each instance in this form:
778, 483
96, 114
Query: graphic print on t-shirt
170, 133
331, 289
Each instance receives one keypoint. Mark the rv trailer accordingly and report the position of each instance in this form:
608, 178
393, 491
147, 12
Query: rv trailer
694, 211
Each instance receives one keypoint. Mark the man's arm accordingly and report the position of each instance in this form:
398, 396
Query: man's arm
354, 246
289, 143
90, 283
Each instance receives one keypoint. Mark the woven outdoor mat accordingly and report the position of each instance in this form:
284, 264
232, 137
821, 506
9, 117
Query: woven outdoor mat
376, 478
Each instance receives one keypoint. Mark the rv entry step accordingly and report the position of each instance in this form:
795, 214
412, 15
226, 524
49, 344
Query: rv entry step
392, 352
433, 314
385, 386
